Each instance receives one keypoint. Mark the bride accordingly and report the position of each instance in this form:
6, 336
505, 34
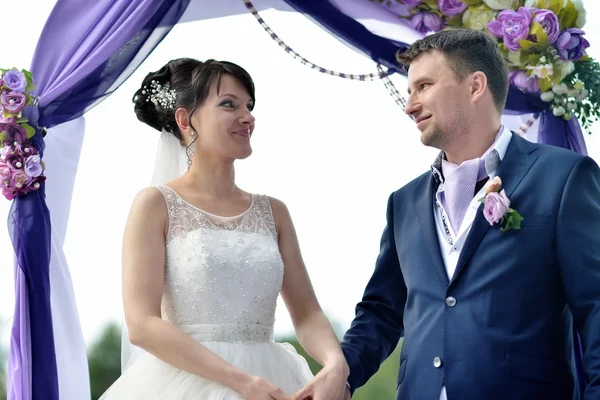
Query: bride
204, 261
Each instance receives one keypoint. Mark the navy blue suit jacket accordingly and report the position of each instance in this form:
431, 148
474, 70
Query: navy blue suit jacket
509, 334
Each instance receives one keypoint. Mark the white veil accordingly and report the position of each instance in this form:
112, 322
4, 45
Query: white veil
170, 163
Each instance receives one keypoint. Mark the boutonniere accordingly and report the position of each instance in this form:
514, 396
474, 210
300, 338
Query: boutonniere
496, 206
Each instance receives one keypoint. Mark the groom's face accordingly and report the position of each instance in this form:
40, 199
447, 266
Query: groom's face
436, 99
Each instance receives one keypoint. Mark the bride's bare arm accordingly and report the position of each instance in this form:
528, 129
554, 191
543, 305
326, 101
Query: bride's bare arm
313, 329
143, 282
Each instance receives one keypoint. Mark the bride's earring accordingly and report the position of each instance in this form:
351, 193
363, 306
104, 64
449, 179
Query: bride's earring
190, 150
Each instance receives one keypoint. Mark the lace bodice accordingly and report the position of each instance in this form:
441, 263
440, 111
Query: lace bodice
222, 272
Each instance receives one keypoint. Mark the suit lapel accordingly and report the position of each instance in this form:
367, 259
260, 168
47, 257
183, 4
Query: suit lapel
516, 163
424, 202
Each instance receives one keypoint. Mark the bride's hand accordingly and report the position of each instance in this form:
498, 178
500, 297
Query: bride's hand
258, 388
328, 384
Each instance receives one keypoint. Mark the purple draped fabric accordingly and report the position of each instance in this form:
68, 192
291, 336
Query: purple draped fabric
86, 50
553, 130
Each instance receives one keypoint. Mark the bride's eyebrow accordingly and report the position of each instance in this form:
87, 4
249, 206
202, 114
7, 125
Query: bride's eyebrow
228, 94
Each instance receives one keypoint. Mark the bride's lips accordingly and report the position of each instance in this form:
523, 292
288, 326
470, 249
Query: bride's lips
243, 132
422, 121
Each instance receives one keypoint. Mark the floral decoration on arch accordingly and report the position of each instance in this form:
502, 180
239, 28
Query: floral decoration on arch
21, 166
541, 40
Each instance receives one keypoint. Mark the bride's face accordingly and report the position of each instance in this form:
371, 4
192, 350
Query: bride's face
224, 121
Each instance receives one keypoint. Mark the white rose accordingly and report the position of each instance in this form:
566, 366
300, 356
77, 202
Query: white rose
533, 3
571, 106
478, 17
581, 19
547, 96
573, 92
581, 13
583, 95
558, 111
560, 89
501, 4
566, 68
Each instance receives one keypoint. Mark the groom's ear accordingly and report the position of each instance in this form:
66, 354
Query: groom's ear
478, 85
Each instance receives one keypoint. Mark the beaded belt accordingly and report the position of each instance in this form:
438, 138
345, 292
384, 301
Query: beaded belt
235, 332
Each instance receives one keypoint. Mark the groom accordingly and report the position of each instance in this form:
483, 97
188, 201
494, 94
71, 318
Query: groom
485, 312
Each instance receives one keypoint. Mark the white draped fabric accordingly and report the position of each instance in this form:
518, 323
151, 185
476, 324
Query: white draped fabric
63, 149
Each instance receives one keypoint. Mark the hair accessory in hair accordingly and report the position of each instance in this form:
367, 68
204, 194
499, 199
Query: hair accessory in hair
160, 94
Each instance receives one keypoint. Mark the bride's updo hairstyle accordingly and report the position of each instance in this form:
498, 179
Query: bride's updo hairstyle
184, 82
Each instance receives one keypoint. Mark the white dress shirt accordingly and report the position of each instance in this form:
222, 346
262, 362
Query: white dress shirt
451, 244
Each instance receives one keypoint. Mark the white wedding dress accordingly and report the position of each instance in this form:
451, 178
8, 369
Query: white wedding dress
222, 279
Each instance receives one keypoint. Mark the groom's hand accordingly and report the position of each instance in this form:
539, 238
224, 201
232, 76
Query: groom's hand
328, 384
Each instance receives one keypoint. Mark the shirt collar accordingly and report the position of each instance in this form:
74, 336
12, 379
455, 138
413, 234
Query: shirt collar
500, 145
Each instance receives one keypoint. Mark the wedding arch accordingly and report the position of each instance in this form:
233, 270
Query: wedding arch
554, 95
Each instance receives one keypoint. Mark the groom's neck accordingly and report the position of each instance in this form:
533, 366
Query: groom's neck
471, 144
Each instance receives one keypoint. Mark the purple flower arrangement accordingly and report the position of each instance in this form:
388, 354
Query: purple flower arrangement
541, 40
21, 167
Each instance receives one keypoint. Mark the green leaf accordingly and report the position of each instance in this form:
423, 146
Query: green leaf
527, 44
455, 21
554, 6
516, 218
2, 137
472, 2
545, 84
513, 220
22, 120
30, 85
568, 16
29, 129
431, 3
541, 36
6, 114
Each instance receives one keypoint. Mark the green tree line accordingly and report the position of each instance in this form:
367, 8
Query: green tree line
104, 358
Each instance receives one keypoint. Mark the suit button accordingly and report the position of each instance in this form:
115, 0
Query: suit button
437, 362
450, 301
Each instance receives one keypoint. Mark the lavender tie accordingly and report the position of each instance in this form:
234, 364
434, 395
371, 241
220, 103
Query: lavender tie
461, 182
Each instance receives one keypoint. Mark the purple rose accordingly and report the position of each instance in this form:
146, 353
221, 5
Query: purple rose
19, 179
511, 26
26, 149
13, 102
549, 22
426, 22
32, 184
4, 174
412, 3
495, 207
33, 166
15, 161
451, 7
13, 133
3, 120
571, 44
520, 79
4, 152
15, 80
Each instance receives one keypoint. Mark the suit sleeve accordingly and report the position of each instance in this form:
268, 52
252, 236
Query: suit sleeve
377, 326
578, 252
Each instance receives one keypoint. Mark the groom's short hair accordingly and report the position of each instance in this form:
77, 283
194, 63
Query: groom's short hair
466, 51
